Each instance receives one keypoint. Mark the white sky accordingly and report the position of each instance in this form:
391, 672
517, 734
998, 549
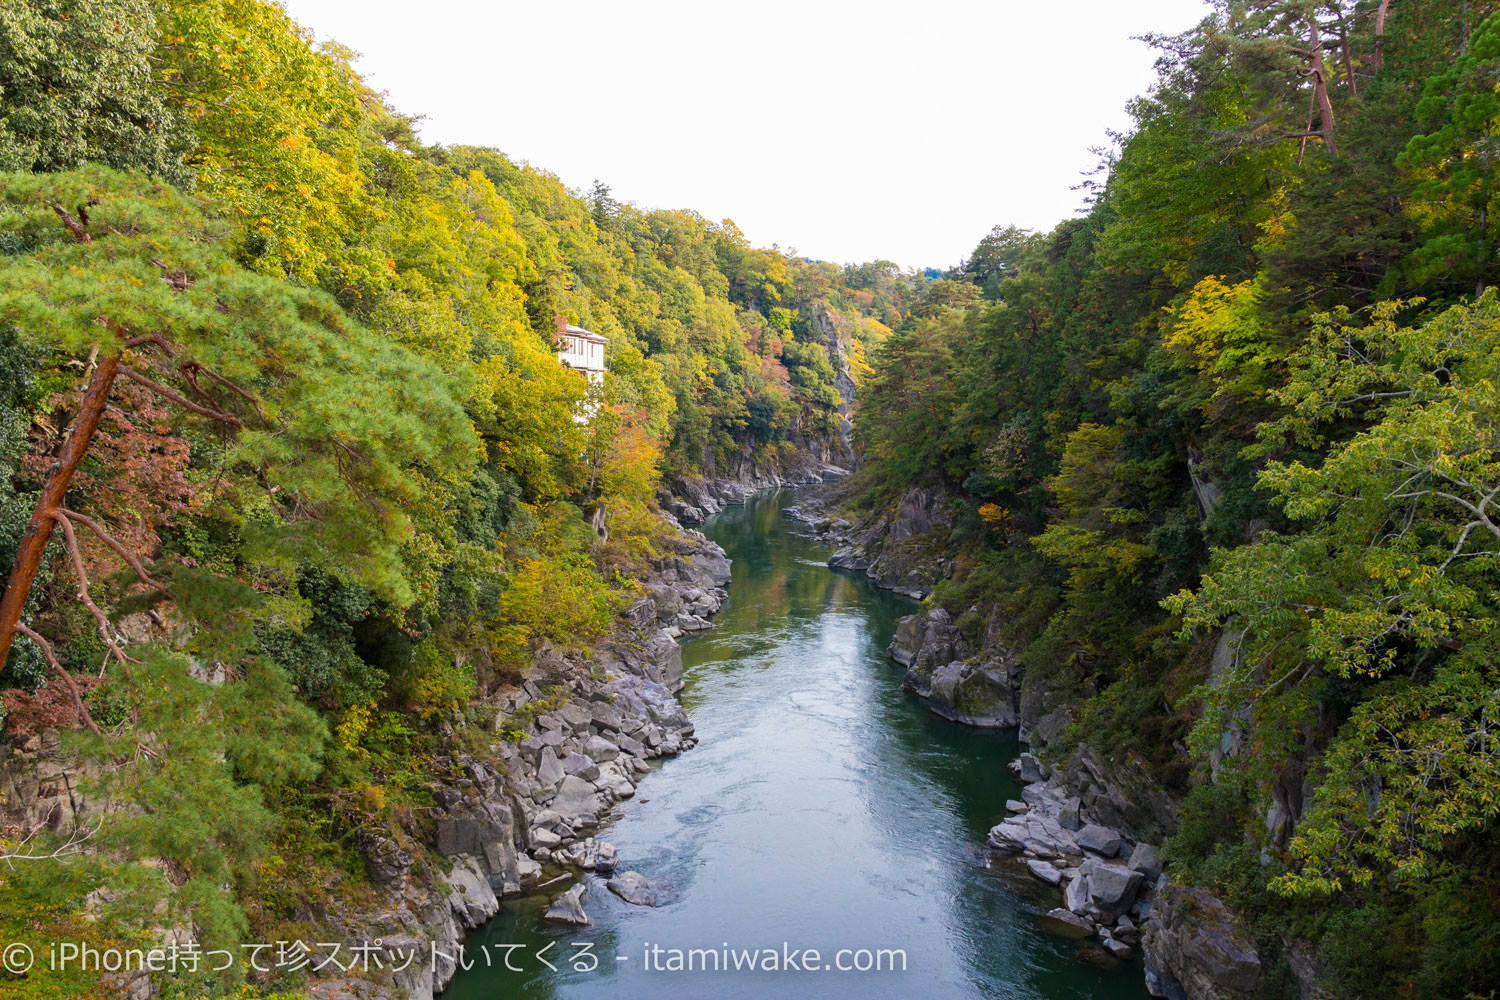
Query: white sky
848, 131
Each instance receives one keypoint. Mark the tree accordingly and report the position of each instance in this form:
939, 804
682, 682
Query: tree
1388, 584
1456, 159
318, 428
76, 87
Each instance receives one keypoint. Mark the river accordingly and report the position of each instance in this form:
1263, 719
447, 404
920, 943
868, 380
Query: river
824, 809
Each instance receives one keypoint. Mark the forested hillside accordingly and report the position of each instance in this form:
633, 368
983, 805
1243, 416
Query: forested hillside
1225, 450
280, 389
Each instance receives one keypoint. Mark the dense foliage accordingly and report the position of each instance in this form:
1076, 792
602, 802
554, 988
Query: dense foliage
341, 489
1227, 447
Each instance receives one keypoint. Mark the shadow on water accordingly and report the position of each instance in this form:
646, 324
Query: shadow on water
825, 808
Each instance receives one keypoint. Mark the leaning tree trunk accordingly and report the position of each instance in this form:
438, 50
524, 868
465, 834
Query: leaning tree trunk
1320, 89
49, 507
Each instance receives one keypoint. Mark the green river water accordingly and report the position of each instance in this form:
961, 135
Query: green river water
824, 809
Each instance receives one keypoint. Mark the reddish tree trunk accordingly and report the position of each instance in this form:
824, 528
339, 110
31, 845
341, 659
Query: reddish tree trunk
43, 519
1320, 89
1380, 15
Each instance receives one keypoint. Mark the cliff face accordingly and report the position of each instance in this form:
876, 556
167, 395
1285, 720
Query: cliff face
811, 453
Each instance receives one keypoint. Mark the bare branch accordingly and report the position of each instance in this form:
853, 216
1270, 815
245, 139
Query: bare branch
74, 226
76, 555
65, 677
113, 543
178, 398
74, 846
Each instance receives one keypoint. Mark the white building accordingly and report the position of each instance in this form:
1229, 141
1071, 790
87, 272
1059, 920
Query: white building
582, 350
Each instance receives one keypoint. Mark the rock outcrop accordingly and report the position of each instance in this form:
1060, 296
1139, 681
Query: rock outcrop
975, 689
588, 728
1198, 949
903, 548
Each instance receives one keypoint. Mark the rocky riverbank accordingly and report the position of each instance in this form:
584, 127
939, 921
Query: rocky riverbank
1111, 885
523, 806
1089, 825
538, 804
903, 548
693, 500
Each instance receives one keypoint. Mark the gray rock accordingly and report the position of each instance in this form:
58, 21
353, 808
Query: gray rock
1146, 860
1112, 887
1100, 840
1197, 948
470, 896
568, 908
577, 763
387, 861
1065, 923
549, 770
575, 715
634, 888
527, 870
1031, 768
1016, 806
576, 801
1070, 815
1045, 871
1076, 895
600, 749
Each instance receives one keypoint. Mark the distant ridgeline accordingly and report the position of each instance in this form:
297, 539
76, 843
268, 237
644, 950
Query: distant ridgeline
282, 408
1225, 457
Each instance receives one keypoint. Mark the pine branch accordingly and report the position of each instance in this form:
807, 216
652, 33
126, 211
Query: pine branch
172, 394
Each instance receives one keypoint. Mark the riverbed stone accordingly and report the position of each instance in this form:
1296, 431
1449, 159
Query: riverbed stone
1065, 923
1045, 871
634, 888
568, 908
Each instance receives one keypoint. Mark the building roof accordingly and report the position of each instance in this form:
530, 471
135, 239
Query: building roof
589, 335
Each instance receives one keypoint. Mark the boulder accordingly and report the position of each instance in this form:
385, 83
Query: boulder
568, 908
1112, 887
469, 894
1076, 895
1045, 871
599, 749
577, 763
1099, 839
577, 801
549, 769
1146, 860
1065, 923
634, 888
